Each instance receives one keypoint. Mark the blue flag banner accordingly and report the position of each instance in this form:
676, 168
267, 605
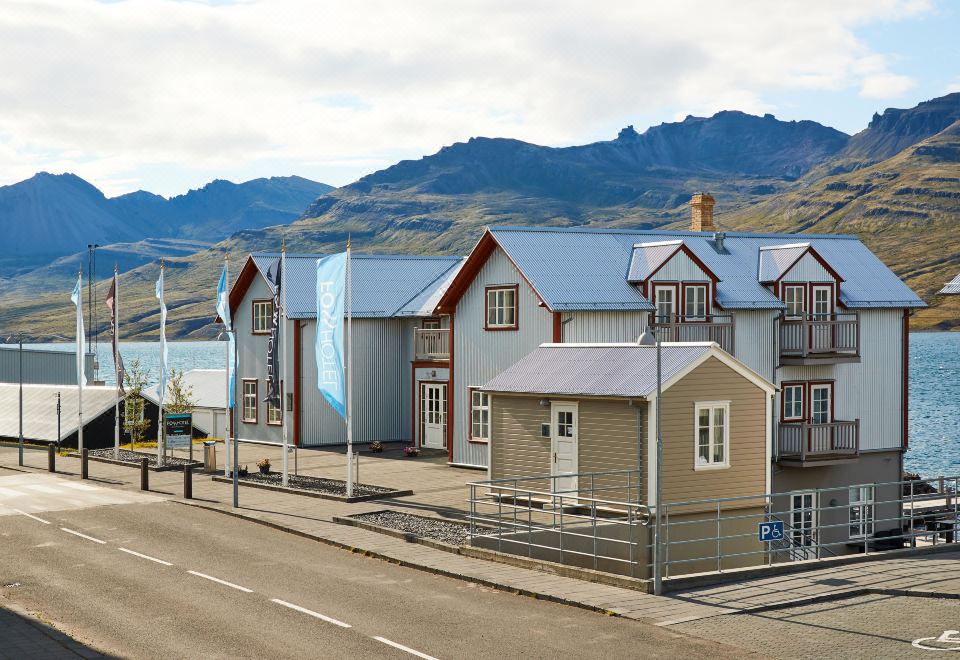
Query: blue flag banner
331, 282
223, 309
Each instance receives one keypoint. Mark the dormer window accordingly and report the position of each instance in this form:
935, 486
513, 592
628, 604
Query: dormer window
793, 297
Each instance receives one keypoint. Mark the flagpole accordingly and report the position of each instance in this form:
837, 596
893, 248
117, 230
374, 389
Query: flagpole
116, 369
81, 373
283, 357
228, 427
349, 372
163, 366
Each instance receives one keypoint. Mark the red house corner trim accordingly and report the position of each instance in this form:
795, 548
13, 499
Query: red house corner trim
905, 387
297, 384
451, 396
557, 328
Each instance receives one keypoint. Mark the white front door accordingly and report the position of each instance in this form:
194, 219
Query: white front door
433, 410
803, 525
564, 445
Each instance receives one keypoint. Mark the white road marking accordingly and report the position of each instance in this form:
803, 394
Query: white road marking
31, 516
404, 648
223, 582
83, 536
316, 615
137, 554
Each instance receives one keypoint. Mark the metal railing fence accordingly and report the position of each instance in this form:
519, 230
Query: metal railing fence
579, 522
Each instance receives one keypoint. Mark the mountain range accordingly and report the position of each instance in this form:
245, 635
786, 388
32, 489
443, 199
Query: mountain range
896, 184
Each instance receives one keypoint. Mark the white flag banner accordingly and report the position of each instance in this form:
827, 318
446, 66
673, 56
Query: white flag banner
163, 338
77, 299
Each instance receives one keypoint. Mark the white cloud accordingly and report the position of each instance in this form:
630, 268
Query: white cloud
111, 90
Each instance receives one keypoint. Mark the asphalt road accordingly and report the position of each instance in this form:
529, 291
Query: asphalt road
159, 579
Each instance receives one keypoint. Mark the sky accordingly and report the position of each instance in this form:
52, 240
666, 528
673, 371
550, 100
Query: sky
166, 95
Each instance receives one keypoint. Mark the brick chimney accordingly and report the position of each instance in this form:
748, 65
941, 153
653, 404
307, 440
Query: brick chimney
701, 212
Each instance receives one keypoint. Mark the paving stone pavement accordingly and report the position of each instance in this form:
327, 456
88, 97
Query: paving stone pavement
869, 626
440, 490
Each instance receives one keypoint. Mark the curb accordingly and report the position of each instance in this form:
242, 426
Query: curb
499, 586
310, 493
409, 537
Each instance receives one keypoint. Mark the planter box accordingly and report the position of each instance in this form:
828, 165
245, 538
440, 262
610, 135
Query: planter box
317, 494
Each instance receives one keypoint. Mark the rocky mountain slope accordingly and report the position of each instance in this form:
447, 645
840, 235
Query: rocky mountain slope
897, 184
51, 216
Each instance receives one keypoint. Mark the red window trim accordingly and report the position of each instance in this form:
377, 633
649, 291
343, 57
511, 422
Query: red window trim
256, 400
516, 307
666, 285
783, 401
807, 400
808, 294
253, 316
280, 423
470, 438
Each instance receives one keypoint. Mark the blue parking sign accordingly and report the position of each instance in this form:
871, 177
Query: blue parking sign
770, 531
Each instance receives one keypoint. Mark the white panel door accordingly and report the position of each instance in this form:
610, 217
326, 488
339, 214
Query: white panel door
433, 407
564, 445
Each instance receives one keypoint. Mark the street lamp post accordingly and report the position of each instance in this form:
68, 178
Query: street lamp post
648, 338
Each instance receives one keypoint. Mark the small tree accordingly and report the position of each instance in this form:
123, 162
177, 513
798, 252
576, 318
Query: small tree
134, 421
179, 397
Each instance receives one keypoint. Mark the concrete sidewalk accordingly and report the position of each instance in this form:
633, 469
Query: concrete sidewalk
439, 491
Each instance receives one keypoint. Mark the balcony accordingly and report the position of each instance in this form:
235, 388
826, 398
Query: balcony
432, 344
820, 339
805, 444
676, 327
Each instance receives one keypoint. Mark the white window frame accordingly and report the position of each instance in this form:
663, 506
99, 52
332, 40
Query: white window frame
802, 389
704, 303
792, 303
814, 290
274, 411
262, 311
479, 404
672, 290
803, 511
829, 389
253, 396
862, 499
497, 304
712, 440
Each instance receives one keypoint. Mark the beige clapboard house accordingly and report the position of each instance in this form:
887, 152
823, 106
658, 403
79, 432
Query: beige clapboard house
587, 408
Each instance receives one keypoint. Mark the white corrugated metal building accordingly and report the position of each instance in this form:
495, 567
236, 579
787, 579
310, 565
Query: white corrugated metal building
41, 366
209, 390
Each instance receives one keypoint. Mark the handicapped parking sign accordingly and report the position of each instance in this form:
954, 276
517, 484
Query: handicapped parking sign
770, 531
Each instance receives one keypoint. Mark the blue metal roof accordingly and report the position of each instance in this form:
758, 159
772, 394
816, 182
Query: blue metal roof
952, 287
588, 269
383, 285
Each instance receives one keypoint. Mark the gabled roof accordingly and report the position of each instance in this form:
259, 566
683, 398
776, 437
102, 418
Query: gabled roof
617, 370
777, 260
383, 285
951, 288
649, 257
588, 269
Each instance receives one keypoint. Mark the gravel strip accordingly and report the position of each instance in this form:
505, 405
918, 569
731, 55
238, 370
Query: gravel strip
133, 457
431, 528
316, 484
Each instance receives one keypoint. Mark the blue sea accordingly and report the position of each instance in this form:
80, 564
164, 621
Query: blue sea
934, 389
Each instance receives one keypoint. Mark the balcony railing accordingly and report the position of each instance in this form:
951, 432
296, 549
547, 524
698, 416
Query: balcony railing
820, 337
807, 442
677, 327
432, 344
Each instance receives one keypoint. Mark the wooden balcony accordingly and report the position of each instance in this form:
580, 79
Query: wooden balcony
713, 327
820, 339
807, 445
433, 344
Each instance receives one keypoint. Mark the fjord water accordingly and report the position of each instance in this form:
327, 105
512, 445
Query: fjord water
934, 389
